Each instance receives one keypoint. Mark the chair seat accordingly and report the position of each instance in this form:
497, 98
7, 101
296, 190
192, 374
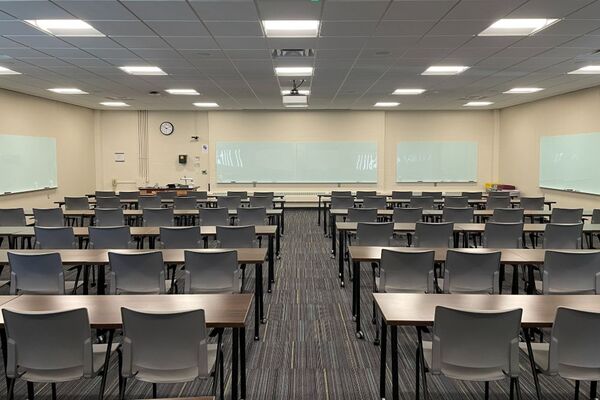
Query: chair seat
539, 287
464, 373
68, 374
4, 282
176, 375
168, 285
541, 354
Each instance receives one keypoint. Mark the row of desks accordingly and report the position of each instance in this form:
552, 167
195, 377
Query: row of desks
221, 311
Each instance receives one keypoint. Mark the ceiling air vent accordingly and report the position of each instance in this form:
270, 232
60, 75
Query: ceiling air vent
295, 53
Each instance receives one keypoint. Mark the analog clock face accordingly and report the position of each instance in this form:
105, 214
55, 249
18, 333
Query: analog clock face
167, 128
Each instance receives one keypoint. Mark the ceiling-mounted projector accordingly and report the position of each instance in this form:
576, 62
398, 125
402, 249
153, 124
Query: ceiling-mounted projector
294, 97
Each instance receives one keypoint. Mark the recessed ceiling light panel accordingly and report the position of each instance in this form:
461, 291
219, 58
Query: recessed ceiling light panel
7, 71
143, 70
206, 105
183, 92
67, 91
65, 27
408, 92
294, 71
386, 104
588, 70
517, 26
114, 104
523, 90
291, 28
445, 70
478, 104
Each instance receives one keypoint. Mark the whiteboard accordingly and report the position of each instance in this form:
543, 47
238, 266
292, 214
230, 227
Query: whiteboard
428, 161
296, 162
570, 162
27, 163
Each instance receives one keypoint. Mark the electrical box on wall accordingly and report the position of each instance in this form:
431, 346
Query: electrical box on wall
183, 159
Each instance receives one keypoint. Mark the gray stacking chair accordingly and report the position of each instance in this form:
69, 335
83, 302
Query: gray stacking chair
374, 233
264, 194
508, 215
252, 216
503, 235
472, 195
361, 194
406, 272
362, 215
407, 215
467, 272
595, 220
401, 195
229, 202
77, 203
12, 217
55, 237
166, 194
341, 193
37, 274
342, 202
572, 352
472, 346
532, 203
214, 216
262, 201
108, 202
378, 202
158, 217
180, 237
426, 203
149, 202
105, 193
138, 273
566, 272
456, 201
198, 194
563, 236
435, 195
49, 217
169, 348
129, 195
231, 237
566, 215
457, 214
434, 235
110, 237
109, 217
212, 272
494, 202
242, 194
185, 203
499, 193
53, 347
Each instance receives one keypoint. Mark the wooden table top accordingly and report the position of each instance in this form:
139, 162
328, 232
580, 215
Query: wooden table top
222, 310
265, 230
464, 227
441, 201
477, 213
419, 309
6, 299
169, 201
138, 213
170, 256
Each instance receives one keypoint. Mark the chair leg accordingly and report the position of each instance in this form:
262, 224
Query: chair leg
593, 384
154, 390
11, 388
122, 391
512, 389
77, 279
534, 371
417, 373
53, 386
30, 391
576, 390
487, 390
518, 388
423, 367
222, 375
120, 367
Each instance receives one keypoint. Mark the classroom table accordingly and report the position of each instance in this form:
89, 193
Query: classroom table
419, 309
221, 311
98, 257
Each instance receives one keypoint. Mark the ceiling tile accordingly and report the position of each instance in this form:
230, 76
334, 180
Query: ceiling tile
25, 9
548, 8
234, 28
354, 10
348, 28
179, 28
40, 42
173, 10
286, 9
241, 43
95, 10
419, 9
228, 10
191, 42
398, 28
141, 42
123, 28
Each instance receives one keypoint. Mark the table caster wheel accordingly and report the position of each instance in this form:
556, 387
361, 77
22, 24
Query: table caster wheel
263, 321
256, 338
360, 335
354, 318
376, 342
342, 284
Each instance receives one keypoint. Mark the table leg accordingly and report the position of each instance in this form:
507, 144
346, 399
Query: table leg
515, 279
341, 256
325, 219
101, 280
271, 256
257, 300
106, 361
282, 218
382, 364
394, 346
4, 358
333, 233
278, 242
235, 341
356, 295
242, 363
86, 279
319, 210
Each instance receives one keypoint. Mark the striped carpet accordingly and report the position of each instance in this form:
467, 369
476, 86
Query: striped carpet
308, 350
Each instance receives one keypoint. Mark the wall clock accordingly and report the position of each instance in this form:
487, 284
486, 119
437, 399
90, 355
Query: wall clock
167, 128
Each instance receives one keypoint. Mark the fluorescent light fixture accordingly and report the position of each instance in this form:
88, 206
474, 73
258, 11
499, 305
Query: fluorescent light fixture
296, 105
478, 103
206, 105
408, 92
6, 71
303, 92
291, 28
589, 70
295, 99
65, 27
183, 92
517, 26
523, 90
67, 91
133, 70
445, 70
114, 104
294, 71
386, 104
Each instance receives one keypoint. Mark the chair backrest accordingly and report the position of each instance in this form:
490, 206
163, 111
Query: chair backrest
252, 216
361, 194
563, 236
77, 203
426, 203
466, 272
508, 215
495, 346
264, 194
341, 193
149, 202
435, 195
229, 202
180, 237
407, 215
231, 237
434, 234
55, 237
198, 194
213, 216
457, 214
401, 195
503, 235
166, 194
456, 201
185, 203
137, 273
472, 195
574, 349
36, 273
144, 336
499, 193
242, 194
407, 271
595, 216
494, 202
571, 273
105, 193
12, 217
211, 272
378, 202
49, 217
342, 202
110, 237
49, 342
132, 195
374, 233
158, 217
261, 201
362, 215
532, 203
109, 216
566, 215
108, 202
